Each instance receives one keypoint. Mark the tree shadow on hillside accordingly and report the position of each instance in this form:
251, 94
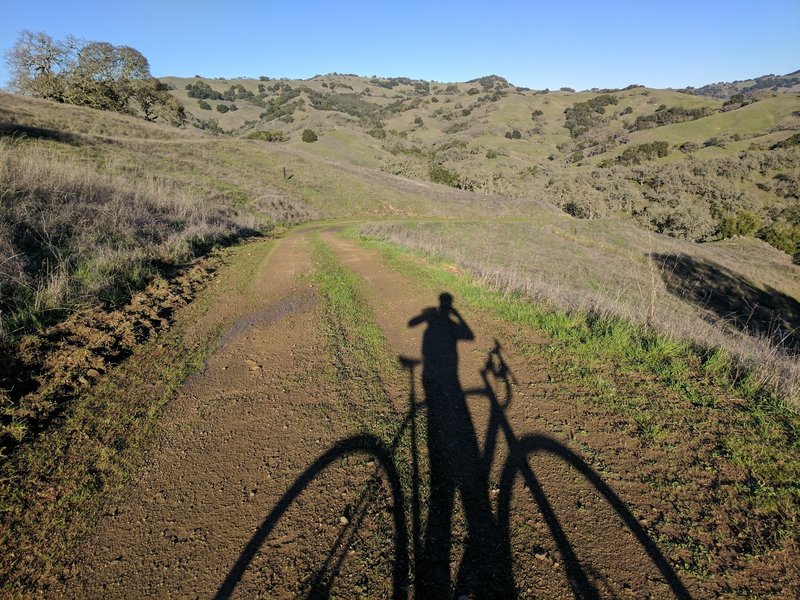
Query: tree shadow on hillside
15, 130
458, 470
732, 298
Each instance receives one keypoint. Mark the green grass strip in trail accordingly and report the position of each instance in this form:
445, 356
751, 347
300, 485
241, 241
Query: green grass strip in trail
364, 365
361, 352
681, 391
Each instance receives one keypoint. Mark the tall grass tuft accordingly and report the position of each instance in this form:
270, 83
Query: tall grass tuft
759, 363
70, 236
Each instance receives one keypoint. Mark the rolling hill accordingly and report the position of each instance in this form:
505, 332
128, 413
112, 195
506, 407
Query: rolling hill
568, 148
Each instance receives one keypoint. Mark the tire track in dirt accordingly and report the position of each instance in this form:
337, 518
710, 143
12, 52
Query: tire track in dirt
608, 559
233, 441
269, 404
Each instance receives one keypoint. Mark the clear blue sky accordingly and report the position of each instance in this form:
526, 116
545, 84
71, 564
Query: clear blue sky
668, 43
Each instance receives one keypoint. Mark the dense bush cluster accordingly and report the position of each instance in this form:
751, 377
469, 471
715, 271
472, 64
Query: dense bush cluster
440, 174
668, 116
489, 82
351, 104
635, 155
793, 140
456, 127
737, 101
281, 105
202, 91
727, 90
701, 201
582, 116
268, 136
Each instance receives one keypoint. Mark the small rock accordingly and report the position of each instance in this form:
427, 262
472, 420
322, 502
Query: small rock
344, 520
540, 556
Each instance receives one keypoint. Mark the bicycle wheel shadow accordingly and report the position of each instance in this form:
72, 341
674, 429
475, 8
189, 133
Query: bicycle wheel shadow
457, 469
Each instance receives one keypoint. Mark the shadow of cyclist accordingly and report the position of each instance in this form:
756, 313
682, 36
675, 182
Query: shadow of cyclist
455, 465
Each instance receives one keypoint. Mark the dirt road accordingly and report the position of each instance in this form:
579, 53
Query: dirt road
467, 468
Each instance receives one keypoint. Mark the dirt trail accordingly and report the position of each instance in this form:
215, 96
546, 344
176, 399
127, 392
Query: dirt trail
268, 405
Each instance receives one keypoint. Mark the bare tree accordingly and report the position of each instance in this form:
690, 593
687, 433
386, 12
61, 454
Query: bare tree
40, 65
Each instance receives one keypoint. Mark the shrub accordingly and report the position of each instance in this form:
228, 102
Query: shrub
636, 154
456, 127
268, 136
782, 236
491, 153
581, 116
717, 140
688, 147
439, 174
203, 105
536, 113
309, 136
418, 121
744, 223
222, 108
737, 101
668, 116
794, 140
202, 91
576, 210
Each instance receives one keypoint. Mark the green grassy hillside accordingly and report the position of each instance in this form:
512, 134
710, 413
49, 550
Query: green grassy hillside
587, 152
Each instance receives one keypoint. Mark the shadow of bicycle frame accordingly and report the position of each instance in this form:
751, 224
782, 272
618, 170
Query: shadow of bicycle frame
518, 463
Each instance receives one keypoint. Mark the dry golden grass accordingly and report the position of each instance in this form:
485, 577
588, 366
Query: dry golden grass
93, 200
736, 295
72, 236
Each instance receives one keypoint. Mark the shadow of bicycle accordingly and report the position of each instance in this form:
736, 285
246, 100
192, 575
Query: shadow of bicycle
436, 452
